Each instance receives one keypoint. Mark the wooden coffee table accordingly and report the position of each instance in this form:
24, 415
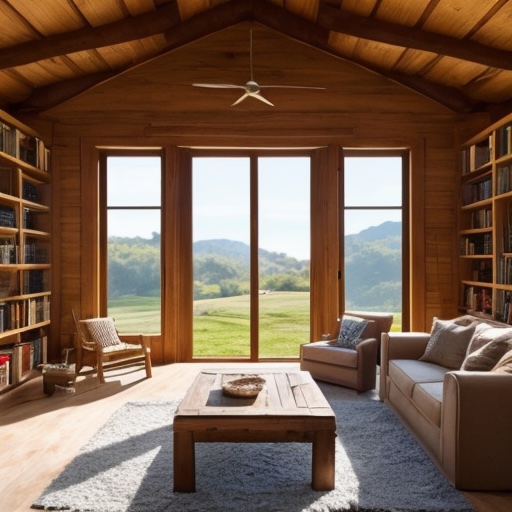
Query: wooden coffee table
290, 408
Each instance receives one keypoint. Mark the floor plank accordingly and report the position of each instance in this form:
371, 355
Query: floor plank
40, 435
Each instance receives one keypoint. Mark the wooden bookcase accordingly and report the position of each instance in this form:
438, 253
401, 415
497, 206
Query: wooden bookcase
486, 223
25, 251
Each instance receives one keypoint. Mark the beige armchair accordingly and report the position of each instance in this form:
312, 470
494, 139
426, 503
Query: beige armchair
98, 345
353, 368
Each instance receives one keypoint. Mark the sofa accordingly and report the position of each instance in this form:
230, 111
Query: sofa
452, 388
352, 364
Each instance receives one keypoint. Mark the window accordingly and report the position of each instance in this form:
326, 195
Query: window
131, 227
375, 218
251, 252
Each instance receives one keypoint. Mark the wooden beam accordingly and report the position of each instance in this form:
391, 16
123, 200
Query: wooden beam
166, 19
409, 37
43, 98
208, 22
127, 29
262, 12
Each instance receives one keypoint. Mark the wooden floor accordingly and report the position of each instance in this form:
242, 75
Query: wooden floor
40, 435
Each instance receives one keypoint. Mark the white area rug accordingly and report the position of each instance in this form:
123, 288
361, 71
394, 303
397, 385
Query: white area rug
127, 467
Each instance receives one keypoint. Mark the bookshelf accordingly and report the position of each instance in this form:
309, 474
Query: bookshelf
485, 223
25, 257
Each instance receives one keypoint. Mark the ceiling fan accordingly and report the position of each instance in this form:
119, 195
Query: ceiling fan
252, 88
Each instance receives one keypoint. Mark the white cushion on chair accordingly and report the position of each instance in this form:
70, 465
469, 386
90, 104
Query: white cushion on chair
101, 331
122, 347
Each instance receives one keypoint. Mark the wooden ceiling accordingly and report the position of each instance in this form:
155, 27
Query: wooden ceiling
455, 52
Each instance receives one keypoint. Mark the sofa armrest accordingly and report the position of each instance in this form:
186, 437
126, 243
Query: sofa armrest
399, 345
367, 363
476, 426
404, 345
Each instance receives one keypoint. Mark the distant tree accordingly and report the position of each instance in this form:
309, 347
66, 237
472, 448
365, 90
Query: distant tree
373, 261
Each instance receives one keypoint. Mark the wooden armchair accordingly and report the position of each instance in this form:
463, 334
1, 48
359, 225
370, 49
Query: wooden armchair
98, 345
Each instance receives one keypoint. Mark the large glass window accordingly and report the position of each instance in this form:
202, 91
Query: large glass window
374, 216
133, 206
284, 254
251, 252
221, 257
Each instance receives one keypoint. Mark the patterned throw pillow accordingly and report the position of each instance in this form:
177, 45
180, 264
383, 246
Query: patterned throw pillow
486, 332
448, 343
101, 331
351, 331
486, 347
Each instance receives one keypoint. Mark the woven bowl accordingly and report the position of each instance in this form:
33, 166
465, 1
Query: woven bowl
245, 387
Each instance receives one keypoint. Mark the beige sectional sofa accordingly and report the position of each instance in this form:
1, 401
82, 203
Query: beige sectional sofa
463, 418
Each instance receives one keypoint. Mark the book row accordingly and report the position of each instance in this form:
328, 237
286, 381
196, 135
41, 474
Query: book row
17, 360
478, 299
24, 313
481, 218
8, 218
504, 179
474, 192
482, 271
33, 252
504, 140
478, 155
476, 244
505, 270
24, 147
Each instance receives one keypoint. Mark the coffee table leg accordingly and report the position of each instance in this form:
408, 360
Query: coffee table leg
184, 462
323, 460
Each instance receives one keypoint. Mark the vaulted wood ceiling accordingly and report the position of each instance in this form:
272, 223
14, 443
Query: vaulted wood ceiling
455, 52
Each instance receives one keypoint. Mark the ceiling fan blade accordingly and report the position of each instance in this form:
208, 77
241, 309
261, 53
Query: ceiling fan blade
289, 87
258, 96
239, 100
220, 86
252, 88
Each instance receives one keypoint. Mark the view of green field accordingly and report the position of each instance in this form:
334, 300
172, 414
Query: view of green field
221, 326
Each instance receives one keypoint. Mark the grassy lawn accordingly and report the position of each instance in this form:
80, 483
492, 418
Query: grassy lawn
221, 326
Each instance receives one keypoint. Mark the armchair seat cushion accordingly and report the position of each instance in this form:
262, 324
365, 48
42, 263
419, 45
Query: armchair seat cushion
327, 352
122, 346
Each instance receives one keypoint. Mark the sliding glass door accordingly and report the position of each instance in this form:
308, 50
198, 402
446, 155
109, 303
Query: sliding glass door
221, 257
251, 256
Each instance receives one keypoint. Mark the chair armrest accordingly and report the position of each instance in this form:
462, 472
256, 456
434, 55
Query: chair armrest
366, 346
476, 425
367, 363
136, 339
89, 345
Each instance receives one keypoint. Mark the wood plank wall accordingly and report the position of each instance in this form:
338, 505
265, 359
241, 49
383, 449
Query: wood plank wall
433, 227
127, 112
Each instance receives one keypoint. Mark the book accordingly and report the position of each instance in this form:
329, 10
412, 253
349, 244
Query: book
7, 355
23, 360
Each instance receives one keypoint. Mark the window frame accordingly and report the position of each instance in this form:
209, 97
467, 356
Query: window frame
405, 155
103, 216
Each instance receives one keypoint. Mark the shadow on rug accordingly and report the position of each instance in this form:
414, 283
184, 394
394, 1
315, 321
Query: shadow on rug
127, 467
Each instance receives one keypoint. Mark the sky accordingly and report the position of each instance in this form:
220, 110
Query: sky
221, 198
